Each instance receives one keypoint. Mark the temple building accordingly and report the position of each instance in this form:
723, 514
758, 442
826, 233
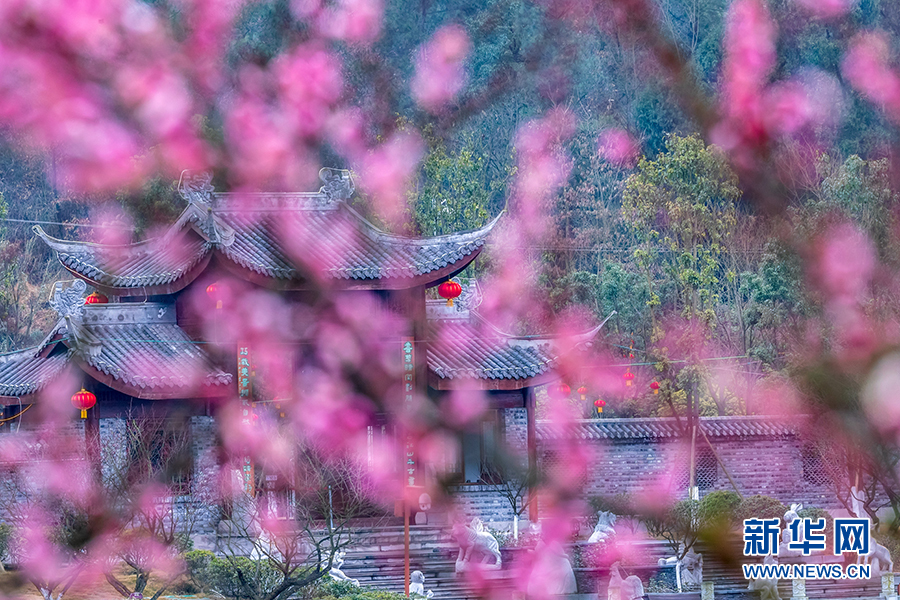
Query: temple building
131, 332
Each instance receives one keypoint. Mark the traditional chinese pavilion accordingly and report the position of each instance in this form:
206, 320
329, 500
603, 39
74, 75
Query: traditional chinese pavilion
137, 342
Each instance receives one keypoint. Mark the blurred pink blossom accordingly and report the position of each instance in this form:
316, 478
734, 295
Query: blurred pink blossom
439, 73
881, 395
846, 261
354, 21
786, 108
866, 68
749, 58
618, 147
387, 172
309, 82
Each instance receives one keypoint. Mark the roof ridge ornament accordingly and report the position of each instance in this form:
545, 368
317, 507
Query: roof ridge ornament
338, 186
197, 187
198, 190
470, 298
69, 304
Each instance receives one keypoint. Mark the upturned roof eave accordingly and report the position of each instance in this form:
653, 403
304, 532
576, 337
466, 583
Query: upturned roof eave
187, 222
486, 384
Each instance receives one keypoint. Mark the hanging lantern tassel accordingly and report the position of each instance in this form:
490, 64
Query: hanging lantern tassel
84, 400
655, 387
599, 404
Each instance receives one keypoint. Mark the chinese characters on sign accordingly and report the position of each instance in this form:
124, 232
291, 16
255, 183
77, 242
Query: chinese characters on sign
409, 388
243, 379
806, 536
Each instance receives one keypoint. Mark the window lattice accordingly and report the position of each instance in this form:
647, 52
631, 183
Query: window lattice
706, 469
568, 475
814, 470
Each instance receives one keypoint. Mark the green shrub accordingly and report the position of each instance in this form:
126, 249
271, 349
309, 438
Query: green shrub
197, 564
260, 576
329, 589
760, 507
720, 508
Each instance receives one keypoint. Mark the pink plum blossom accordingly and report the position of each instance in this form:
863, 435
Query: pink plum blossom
439, 68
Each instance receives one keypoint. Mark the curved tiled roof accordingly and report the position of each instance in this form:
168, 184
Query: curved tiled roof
137, 349
154, 357
288, 239
148, 264
662, 428
23, 373
293, 242
461, 350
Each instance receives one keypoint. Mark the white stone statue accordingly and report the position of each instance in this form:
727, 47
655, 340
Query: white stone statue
789, 517
552, 573
630, 588
692, 569
417, 585
605, 527
879, 557
335, 571
767, 588
424, 507
474, 540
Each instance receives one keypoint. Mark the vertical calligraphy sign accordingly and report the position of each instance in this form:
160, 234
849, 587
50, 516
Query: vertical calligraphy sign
409, 389
244, 392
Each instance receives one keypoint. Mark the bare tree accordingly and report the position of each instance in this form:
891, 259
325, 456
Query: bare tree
275, 552
149, 489
41, 496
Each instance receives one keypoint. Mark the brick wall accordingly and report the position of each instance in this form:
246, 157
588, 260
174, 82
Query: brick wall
768, 466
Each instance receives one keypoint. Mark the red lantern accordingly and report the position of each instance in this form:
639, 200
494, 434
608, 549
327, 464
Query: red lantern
449, 290
582, 391
599, 404
84, 400
560, 391
96, 298
655, 387
212, 290
629, 377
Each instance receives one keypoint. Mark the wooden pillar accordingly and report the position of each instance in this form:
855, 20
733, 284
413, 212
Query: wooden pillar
92, 441
531, 440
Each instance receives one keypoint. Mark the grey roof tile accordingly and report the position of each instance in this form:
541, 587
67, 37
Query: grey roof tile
279, 236
153, 356
23, 373
459, 349
667, 428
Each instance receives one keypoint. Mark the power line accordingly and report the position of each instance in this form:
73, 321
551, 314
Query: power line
67, 224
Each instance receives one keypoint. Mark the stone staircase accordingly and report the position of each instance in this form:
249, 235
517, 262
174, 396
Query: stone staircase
375, 558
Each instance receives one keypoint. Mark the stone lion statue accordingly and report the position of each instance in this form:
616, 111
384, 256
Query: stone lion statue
879, 557
417, 585
605, 527
335, 572
473, 540
767, 588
